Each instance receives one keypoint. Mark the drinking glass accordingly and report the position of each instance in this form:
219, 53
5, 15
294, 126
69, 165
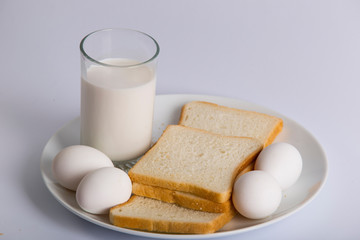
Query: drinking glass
118, 82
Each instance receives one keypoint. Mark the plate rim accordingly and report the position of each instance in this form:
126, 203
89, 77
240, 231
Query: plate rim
192, 236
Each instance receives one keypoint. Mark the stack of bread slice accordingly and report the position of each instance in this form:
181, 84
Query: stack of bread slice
183, 184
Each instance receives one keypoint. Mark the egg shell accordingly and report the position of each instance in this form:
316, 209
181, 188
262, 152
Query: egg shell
102, 189
283, 161
72, 163
256, 194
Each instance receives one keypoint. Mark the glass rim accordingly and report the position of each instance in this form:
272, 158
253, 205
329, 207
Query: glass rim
83, 52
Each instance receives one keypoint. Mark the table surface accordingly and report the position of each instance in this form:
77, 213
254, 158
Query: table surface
299, 58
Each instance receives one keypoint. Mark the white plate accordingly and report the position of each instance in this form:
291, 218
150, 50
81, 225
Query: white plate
167, 111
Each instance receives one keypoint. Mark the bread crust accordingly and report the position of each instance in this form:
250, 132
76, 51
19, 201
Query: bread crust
277, 129
168, 226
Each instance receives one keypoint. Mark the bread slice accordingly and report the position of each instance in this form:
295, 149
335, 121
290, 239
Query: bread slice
183, 199
156, 216
230, 121
195, 161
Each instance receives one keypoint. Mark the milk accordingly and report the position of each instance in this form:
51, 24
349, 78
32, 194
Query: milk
117, 108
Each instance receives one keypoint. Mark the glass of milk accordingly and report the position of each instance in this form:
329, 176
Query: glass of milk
118, 79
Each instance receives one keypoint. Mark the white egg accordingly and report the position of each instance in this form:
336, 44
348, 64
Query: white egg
72, 163
256, 194
283, 161
102, 189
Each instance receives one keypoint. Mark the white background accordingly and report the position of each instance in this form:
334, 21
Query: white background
299, 58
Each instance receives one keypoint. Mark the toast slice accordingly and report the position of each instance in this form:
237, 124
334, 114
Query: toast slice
183, 199
230, 121
186, 200
195, 161
156, 216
